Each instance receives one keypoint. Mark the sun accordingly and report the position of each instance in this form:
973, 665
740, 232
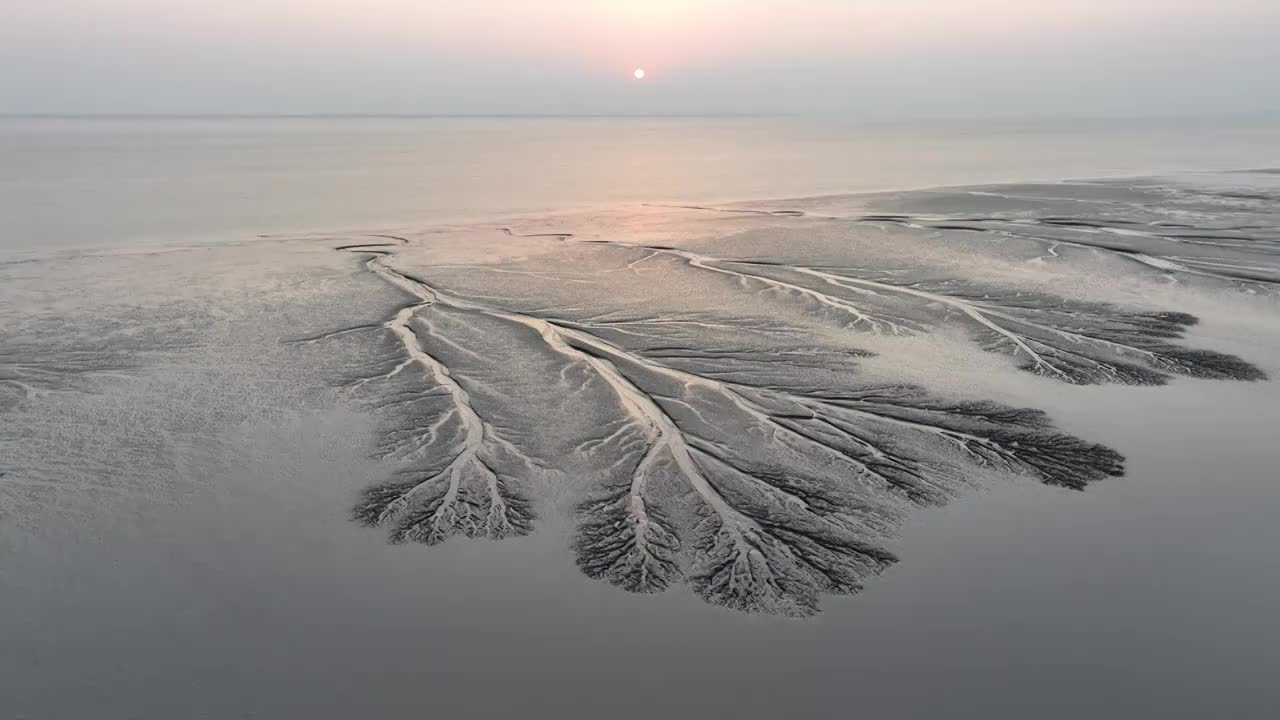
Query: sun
639, 73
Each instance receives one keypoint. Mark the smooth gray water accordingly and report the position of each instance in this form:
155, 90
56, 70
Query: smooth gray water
96, 182
175, 509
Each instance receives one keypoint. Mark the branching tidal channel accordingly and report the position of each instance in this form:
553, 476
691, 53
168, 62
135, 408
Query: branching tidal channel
728, 469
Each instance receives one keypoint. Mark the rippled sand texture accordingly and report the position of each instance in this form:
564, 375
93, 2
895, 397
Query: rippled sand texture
704, 366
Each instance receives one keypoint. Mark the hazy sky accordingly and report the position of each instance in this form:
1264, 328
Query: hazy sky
880, 58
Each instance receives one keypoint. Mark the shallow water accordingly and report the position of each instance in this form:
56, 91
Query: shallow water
184, 440
95, 182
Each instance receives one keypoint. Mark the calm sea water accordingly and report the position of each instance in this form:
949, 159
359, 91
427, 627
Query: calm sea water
92, 182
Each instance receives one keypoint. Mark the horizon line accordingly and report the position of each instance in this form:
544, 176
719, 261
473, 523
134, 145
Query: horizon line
1254, 114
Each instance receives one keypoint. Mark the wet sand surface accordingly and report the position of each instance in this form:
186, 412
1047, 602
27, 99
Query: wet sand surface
938, 452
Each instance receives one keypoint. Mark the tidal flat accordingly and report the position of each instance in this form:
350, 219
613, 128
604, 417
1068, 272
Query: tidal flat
980, 439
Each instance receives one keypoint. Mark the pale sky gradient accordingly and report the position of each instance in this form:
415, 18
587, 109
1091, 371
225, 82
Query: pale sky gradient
876, 58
